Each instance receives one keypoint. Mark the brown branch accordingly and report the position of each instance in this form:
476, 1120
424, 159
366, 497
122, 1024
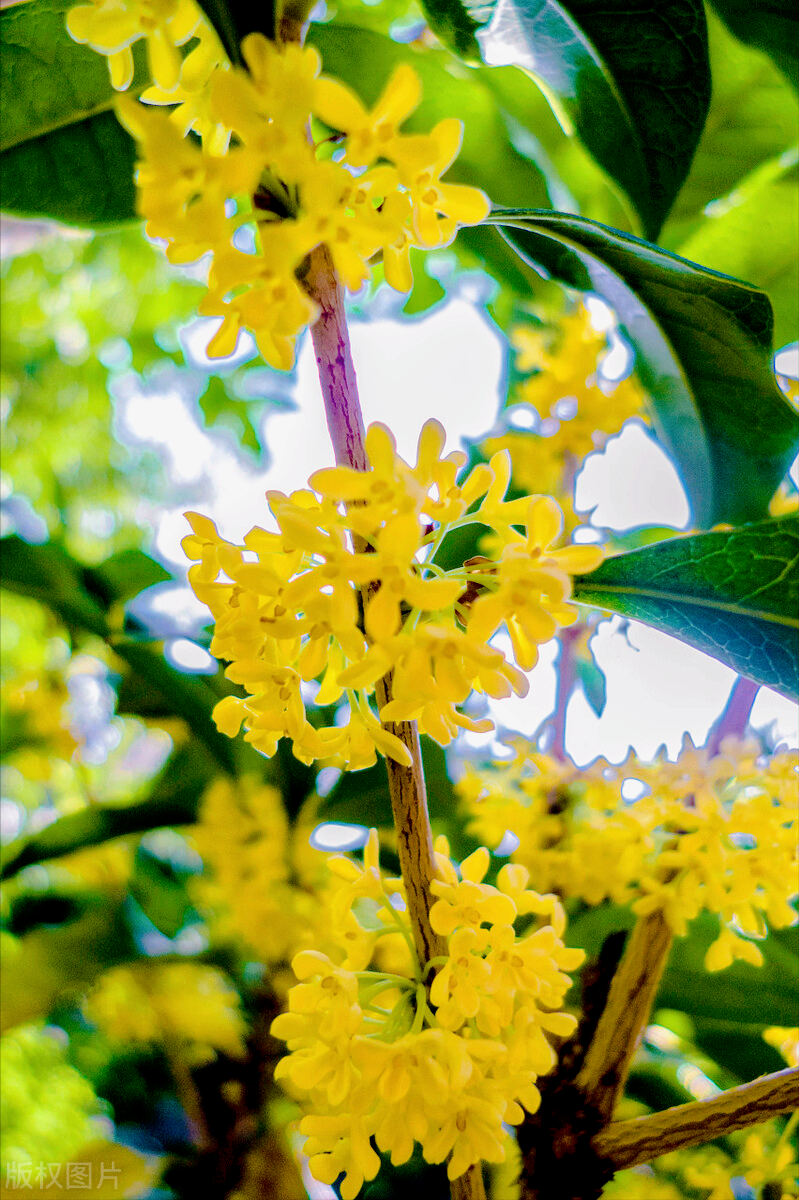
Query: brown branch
632, 992
625, 1143
414, 837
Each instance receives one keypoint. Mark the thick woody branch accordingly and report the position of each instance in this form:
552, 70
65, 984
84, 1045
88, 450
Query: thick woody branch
406, 784
607, 1061
625, 1143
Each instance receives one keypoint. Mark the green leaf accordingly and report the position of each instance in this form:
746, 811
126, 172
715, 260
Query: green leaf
48, 574
220, 408
63, 153
594, 684
733, 594
635, 86
771, 25
742, 993
160, 893
188, 696
703, 344
752, 120
754, 233
125, 574
455, 22
173, 801
234, 19
48, 964
364, 60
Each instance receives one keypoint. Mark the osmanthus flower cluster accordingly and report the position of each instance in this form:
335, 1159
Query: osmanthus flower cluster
402, 1060
572, 409
256, 192
349, 589
265, 881
715, 833
187, 1004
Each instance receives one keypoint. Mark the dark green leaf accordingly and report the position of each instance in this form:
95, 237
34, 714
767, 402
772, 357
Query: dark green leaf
234, 19
48, 574
735, 1047
703, 343
742, 993
771, 25
632, 80
456, 22
363, 797
160, 893
125, 574
188, 696
733, 594
64, 154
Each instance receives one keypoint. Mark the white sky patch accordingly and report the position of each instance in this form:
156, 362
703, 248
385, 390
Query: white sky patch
632, 482
335, 835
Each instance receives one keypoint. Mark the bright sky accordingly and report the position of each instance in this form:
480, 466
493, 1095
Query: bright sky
449, 365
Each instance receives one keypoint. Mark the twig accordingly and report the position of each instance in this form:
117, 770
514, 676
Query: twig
735, 716
607, 1060
406, 784
566, 679
625, 1143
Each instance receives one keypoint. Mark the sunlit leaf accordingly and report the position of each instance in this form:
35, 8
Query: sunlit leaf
753, 233
752, 119
771, 25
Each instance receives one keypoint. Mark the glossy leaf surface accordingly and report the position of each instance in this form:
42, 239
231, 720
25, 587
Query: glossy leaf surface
632, 80
733, 594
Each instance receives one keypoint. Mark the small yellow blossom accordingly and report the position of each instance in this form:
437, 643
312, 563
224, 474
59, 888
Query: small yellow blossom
112, 26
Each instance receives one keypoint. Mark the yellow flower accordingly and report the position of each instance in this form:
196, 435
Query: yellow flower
112, 26
156, 1002
370, 135
438, 207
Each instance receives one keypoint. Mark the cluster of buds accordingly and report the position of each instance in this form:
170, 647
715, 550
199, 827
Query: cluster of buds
391, 1057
